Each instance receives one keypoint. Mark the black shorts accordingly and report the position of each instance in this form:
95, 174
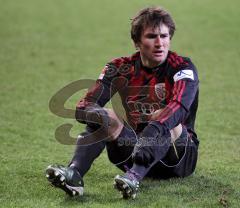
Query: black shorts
120, 153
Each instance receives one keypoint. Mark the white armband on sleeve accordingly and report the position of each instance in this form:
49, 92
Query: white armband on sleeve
183, 74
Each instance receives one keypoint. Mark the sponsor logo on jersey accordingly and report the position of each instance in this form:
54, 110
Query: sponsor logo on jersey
183, 74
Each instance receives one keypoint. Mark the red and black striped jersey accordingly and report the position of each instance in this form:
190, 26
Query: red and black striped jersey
171, 87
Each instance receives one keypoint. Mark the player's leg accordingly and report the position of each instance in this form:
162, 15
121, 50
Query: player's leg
187, 146
180, 160
145, 157
70, 179
120, 149
88, 148
85, 154
66, 178
120, 154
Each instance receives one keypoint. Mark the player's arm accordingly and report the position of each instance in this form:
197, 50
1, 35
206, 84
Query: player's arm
90, 108
184, 91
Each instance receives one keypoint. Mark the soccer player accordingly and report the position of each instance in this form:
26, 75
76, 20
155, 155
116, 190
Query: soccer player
159, 92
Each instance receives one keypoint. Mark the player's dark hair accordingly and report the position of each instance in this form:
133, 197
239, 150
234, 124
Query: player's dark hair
150, 17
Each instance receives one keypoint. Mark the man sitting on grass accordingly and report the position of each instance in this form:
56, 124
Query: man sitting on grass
159, 92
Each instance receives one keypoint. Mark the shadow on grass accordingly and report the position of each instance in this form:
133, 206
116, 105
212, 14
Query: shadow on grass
96, 199
196, 189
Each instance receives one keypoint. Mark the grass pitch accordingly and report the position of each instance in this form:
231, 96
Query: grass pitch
45, 45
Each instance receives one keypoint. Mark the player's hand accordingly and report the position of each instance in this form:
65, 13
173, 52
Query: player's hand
94, 116
153, 136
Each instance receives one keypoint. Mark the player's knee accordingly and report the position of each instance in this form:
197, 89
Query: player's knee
115, 125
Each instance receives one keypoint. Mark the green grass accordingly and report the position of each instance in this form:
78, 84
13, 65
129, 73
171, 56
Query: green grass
45, 45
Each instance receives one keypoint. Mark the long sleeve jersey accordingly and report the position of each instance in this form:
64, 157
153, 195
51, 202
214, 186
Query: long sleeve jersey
171, 87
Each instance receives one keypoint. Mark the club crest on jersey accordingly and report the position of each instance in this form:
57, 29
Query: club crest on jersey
183, 74
160, 91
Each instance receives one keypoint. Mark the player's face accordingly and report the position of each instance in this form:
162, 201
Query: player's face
154, 45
